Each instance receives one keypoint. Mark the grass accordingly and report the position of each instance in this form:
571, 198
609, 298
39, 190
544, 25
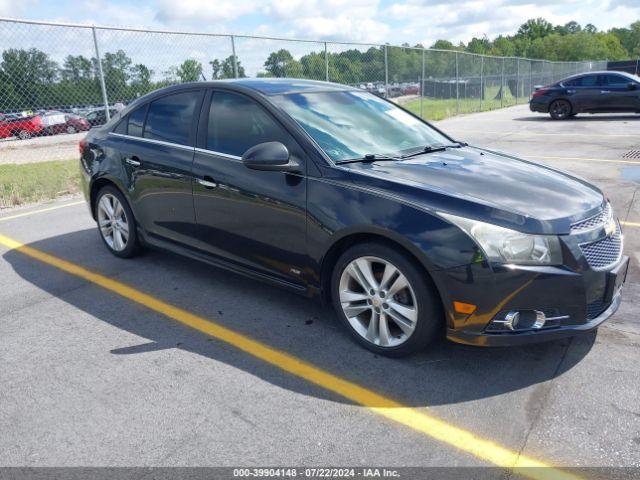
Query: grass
37, 182
439, 109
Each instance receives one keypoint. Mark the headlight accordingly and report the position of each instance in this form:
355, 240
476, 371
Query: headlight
503, 245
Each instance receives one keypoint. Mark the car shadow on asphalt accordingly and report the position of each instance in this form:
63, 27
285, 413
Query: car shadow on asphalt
446, 373
581, 117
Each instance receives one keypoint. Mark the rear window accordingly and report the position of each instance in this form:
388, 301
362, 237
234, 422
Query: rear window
589, 81
169, 118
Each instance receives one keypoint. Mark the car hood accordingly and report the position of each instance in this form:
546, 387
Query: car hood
486, 185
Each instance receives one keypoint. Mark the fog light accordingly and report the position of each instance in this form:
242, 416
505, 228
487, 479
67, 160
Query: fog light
511, 320
541, 318
521, 320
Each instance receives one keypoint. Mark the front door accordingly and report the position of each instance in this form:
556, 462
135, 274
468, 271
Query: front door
156, 146
254, 219
616, 95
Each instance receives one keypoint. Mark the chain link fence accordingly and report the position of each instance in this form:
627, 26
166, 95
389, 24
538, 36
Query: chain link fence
59, 80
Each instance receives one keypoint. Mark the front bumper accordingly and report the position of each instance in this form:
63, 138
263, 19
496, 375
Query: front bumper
568, 293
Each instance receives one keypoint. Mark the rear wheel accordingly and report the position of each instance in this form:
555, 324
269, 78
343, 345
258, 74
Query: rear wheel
384, 300
116, 223
560, 110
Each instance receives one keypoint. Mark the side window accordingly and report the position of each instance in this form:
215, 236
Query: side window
92, 116
169, 118
237, 123
586, 81
136, 122
121, 127
615, 81
590, 81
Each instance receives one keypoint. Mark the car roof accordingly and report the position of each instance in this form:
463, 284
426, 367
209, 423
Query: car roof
600, 72
272, 86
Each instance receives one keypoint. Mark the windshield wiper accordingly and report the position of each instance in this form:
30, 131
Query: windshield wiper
370, 157
434, 148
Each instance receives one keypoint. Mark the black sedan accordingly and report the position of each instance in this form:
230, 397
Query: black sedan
338, 194
594, 92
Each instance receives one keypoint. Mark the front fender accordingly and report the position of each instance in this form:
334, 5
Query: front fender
340, 209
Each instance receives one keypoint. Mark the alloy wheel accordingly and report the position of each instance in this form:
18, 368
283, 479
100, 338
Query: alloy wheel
378, 301
113, 223
561, 109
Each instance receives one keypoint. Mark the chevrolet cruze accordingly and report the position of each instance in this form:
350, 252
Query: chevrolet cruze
336, 193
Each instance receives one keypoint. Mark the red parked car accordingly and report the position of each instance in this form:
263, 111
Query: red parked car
21, 127
76, 123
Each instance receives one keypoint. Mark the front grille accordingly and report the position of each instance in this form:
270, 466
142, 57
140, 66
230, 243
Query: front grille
592, 222
605, 252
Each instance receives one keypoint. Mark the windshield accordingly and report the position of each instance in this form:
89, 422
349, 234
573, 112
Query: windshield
350, 124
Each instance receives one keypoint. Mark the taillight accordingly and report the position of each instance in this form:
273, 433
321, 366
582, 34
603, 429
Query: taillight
82, 145
540, 92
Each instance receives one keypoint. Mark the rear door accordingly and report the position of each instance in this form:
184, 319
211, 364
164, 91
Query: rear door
616, 96
253, 219
583, 92
157, 147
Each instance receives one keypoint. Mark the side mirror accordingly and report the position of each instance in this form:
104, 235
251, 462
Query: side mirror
632, 86
270, 156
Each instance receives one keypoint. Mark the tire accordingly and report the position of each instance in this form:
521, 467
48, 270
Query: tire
421, 319
118, 228
71, 129
560, 109
23, 135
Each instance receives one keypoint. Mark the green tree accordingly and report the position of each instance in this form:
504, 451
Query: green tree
27, 76
282, 64
535, 28
224, 69
189, 71
77, 68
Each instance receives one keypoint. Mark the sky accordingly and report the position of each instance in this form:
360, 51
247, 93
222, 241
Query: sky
375, 21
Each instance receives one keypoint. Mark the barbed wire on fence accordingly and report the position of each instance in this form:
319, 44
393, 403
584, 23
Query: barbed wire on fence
70, 77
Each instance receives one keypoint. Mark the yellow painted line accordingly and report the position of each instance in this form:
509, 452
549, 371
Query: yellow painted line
420, 421
41, 210
630, 224
603, 160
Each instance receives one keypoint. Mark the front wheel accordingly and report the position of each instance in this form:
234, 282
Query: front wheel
24, 135
560, 110
385, 301
116, 223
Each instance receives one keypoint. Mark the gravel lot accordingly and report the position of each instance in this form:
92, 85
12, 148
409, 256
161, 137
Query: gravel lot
91, 378
40, 149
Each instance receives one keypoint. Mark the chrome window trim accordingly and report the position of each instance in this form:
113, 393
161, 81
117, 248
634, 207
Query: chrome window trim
218, 154
177, 145
151, 140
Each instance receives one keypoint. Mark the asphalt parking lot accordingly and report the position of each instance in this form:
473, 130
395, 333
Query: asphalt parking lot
93, 372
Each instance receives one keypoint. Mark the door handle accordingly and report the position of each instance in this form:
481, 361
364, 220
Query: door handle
605, 91
133, 161
207, 182
571, 91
